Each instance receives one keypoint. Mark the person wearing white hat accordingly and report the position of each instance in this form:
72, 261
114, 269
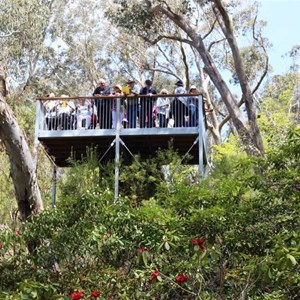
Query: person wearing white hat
50, 107
193, 106
163, 107
115, 118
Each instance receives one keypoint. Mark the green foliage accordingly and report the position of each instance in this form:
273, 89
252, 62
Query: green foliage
279, 110
134, 17
235, 232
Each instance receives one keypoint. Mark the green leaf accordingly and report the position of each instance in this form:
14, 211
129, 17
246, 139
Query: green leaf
145, 258
270, 275
292, 259
167, 246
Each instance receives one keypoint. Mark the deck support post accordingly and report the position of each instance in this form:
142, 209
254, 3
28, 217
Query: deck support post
117, 149
53, 190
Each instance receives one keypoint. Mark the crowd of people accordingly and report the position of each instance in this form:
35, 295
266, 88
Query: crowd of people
140, 111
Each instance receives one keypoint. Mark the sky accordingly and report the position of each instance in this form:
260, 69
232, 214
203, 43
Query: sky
282, 30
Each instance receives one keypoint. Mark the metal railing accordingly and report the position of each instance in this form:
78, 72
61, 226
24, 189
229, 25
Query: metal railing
132, 112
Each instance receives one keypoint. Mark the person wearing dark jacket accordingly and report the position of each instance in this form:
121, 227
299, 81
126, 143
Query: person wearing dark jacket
147, 103
179, 106
103, 105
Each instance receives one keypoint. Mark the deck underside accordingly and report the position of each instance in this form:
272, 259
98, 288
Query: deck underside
62, 146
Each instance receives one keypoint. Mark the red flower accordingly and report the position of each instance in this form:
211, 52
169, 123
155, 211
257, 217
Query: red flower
154, 275
18, 232
181, 278
95, 294
142, 248
76, 295
1, 245
198, 242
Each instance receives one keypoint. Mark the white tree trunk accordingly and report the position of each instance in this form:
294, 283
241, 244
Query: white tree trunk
21, 163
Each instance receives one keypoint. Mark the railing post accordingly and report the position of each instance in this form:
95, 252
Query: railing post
200, 137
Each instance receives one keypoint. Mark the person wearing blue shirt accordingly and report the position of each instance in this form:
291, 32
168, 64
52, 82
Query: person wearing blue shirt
147, 103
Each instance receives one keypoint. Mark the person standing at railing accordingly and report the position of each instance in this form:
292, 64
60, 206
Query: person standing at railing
120, 116
179, 106
84, 114
132, 103
50, 107
147, 103
65, 109
163, 108
192, 102
103, 105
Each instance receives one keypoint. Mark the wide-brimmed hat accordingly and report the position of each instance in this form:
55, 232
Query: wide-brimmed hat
118, 86
130, 81
164, 91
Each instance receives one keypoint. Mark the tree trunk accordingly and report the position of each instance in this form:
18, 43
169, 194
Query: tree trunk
226, 26
21, 163
250, 138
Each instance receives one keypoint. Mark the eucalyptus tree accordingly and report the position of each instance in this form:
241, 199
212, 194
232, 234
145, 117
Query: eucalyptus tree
205, 26
23, 32
22, 169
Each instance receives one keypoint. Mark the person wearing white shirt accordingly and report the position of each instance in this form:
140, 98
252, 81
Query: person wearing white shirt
163, 107
115, 118
50, 107
83, 114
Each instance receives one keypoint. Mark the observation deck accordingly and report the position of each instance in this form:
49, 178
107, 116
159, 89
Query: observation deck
127, 125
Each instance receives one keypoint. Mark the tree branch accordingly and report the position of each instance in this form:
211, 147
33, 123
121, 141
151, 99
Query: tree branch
9, 34
186, 65
266, 69
211, 29
171, 37
213, 43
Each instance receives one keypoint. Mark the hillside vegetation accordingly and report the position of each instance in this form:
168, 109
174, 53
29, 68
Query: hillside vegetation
235, 235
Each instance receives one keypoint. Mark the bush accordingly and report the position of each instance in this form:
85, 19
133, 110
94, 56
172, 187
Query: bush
233, 235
